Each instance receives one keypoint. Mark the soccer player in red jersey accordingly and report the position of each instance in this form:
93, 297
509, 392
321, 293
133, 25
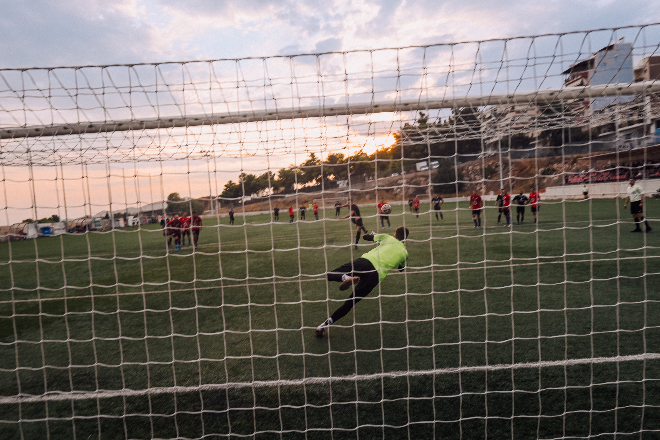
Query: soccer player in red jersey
315, 208
174, 231
185, 228
534, 199
291, 214
382, 216
476, 204
416, 205
506, 206
196, 221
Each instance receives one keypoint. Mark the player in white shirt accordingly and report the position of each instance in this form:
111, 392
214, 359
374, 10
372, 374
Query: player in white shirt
636, 199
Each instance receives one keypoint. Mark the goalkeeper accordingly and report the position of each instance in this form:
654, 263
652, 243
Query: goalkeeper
367, 271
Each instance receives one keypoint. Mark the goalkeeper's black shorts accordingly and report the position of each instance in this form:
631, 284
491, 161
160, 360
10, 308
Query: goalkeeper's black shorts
369, 278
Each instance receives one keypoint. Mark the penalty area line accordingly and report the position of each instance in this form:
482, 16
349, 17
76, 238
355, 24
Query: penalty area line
103, 394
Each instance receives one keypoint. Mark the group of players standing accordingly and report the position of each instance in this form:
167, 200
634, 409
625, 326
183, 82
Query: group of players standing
180, 227
503, 202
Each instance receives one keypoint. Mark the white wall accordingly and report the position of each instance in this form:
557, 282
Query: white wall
599, 190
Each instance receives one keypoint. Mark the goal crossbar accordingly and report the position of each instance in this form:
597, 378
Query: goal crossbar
550, 95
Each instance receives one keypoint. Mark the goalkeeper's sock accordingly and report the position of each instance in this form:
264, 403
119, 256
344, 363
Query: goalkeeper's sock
357, 238
320, 330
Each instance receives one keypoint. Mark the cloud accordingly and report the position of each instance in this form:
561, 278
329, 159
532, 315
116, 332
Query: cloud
74, 32
77, 32
329, 45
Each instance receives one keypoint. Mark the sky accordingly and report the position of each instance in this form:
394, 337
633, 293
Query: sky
48, 33
40, 33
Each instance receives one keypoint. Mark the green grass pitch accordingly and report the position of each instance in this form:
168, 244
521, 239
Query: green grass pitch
115, 311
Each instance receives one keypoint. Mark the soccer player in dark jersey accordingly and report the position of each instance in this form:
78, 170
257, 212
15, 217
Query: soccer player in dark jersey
337, 209
382, 216
498, 202
302, 212
520, 200
231, 215
196, 222
534, 200
476, 204
410, 204
185, 228
276, 214
437, 202
367, 271
356, 218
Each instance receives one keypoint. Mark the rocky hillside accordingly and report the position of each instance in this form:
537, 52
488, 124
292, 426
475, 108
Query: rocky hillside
547, 171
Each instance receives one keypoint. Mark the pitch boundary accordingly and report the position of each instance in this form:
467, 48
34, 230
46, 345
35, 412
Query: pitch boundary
84, 395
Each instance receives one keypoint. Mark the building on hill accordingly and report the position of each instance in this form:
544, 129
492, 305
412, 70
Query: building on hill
610, 65
648, 69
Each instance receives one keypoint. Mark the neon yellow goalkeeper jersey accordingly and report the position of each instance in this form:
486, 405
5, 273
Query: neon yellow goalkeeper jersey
390, 254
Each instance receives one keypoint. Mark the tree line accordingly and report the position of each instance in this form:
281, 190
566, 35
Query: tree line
433, 141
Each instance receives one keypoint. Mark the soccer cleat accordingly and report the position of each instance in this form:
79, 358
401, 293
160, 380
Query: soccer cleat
320, 330
648, 229
348, 282
636, 230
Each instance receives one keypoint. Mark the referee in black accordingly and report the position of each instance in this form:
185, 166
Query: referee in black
356, 218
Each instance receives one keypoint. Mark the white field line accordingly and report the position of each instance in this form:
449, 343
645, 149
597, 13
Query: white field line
84, 395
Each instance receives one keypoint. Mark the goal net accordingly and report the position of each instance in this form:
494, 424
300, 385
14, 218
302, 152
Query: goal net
148, 288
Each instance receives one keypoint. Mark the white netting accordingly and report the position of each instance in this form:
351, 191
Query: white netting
544, 329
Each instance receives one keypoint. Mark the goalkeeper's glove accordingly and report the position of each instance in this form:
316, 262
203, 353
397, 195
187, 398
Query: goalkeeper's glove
369, 236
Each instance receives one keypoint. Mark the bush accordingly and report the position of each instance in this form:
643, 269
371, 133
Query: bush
489, 170
446, 177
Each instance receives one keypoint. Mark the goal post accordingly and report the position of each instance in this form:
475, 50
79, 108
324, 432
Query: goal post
542, 325
168, 122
